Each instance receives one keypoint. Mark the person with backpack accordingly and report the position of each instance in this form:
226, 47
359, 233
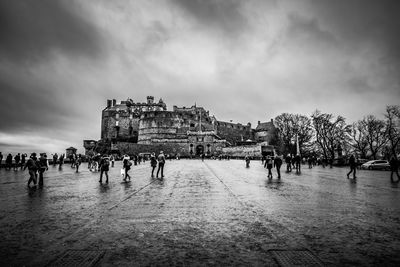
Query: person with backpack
17, 159
32, 168
104, 168
153, 163
161, 163
269, 164
42, 167
126, 164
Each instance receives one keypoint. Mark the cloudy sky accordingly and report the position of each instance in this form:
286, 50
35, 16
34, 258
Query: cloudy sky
243, 60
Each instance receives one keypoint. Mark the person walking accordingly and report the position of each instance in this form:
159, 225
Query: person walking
126, 164
17, 159
55, 157
31, 164
9, 162
297, 161
71, 158
394, 167
247, 159
161, 163
277, 164
78, 162
153, 163
268, 164
353, 167
310, 162
23, 160
112, 158
104, 168
43, 166
61, 161
288, 161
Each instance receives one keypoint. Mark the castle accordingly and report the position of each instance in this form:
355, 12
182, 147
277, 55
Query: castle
134, 128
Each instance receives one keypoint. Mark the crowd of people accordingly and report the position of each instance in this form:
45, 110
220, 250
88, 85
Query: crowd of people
295, 162
102, 163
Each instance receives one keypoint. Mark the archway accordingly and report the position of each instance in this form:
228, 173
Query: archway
199, 150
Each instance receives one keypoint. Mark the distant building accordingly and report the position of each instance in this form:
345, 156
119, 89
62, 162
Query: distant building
149, 127
264, 131
70, 151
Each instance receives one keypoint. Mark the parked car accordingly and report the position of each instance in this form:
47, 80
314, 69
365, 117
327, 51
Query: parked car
376, 165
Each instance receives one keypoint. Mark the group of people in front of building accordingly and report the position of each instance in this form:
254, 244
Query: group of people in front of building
276, 162
37, 166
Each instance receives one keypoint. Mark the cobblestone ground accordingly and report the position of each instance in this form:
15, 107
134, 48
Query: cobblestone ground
202, 213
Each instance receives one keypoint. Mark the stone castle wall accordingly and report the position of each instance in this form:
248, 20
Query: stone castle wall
233, 133
149, 127
241, 151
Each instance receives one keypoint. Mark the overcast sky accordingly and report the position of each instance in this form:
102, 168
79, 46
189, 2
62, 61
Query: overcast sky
242, 60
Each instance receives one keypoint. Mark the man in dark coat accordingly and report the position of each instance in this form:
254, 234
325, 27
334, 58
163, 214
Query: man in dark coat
394, 167
43, 166
288, 161
277, 165
353, 167
32, 166
104, 168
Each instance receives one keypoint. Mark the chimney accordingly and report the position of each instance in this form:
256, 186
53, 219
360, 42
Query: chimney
109, 103
272, 121
258, 123
114, 102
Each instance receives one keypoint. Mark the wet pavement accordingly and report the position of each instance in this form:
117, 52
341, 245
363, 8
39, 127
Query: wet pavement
202, 213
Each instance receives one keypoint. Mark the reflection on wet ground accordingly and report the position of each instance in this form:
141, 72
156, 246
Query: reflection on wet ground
211, 213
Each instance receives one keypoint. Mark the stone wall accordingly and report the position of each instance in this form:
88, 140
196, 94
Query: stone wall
119, 124
233, 132
169, 125
241, 151
167, 148
185, 148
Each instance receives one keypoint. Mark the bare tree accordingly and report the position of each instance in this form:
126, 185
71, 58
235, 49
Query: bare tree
359, 139
393, 128
375, 134
331, 132
291, 126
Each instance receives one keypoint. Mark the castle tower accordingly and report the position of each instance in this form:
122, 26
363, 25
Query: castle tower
150, 100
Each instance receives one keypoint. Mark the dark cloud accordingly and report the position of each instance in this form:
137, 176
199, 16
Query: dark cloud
361, 22
225, 16
308, 30
25, 108
29, 30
